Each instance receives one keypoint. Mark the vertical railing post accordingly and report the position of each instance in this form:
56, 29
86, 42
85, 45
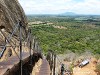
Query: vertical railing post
20, 44
33, 45
30, 46
38, 47
52, 62
54, 66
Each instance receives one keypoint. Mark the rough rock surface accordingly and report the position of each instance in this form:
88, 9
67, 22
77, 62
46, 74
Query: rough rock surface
10, 14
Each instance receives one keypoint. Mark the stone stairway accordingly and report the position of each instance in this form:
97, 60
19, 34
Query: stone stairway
41, 68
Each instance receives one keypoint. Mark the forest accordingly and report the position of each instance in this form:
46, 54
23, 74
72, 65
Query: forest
67, 33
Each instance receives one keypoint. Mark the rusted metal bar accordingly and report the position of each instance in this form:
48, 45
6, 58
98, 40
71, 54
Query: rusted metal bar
11, 46
30, 46
20, 37
52, 61
54, 66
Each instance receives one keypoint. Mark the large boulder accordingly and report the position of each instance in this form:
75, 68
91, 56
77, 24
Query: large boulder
10, 14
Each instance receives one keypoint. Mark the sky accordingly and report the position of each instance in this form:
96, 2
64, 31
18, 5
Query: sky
61, 6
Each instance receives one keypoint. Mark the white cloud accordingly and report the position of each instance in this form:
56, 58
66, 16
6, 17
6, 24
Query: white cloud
59, 6
88, 7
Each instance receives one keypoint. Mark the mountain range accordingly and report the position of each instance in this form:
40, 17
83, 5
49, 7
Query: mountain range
68, 14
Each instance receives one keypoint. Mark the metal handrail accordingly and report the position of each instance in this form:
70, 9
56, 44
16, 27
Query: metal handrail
30, 42
8, 39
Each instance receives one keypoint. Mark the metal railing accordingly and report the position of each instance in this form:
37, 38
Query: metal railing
28, 41
51, 58
54, 61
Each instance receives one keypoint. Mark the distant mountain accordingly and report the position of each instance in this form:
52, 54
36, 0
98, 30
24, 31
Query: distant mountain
68, 14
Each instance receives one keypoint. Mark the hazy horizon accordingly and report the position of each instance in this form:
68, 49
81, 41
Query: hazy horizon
84, 7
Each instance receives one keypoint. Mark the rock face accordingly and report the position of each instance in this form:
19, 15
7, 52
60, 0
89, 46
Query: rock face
10, 14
